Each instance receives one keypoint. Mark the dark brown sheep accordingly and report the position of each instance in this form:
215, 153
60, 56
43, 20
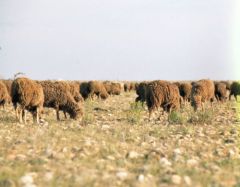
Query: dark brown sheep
97, 88
220, 91
84, 89
185, 91
162, 94
58, 96
29, 95
202, 91
141, 92
234, 90
126, 87
4, 95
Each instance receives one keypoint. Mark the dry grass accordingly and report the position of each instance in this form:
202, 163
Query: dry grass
116, 145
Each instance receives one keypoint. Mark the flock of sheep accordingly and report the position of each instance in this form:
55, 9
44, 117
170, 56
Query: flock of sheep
68, 96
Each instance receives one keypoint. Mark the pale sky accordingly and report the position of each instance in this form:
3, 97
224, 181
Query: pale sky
117, 39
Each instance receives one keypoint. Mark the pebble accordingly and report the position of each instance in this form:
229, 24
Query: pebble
192, 162
187, 180
140, 178
132, 155
122, 175
165, 162
176, 179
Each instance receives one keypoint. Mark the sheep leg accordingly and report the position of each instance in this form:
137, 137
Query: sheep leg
57, 113
37, 117
235, 97
149, 115
16, 112
203, 106
20, 115
25, 116
65, 115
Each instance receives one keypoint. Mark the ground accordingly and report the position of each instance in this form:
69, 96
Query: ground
116, 145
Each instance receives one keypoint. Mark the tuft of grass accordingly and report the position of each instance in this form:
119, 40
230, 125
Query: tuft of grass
88, 118
201, 117
176, 118
134, 114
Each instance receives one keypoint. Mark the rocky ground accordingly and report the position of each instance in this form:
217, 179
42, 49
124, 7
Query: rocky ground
116, 145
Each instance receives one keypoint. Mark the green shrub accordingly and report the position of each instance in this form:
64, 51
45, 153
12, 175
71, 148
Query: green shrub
176, 118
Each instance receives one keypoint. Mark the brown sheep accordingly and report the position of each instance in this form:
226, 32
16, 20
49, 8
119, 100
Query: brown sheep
185, 91
29, 95
4, 95
112, 88
58, 96
220, 91
162, 94
129, 86
202, 91
74, 88
97, 88
8, 84
234, 90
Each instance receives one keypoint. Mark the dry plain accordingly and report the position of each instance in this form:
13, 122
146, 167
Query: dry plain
116, 145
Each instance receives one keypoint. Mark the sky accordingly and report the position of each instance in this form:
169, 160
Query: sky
120, 40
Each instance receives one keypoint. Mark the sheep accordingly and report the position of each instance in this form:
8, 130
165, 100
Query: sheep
129, 86
141, 92
74, 88
202, 91
112, 88
4, 95
29, 95
97, 88
126, 87
185, 91
8, 84
234, 90
162, 94
84, 90
58, 96
220, 91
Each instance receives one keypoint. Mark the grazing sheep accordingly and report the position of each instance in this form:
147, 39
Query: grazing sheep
4, 95
58, 96
141, 92
112, 88
8, 84
29, 95
74, 88
185, 91
234, 90
129, 86
202, 91
84, 89
126, 87
220, 91
97, 88
162, 94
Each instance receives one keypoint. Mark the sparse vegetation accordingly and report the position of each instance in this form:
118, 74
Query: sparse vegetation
201, 117
134, 114
110, 151
176, 118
